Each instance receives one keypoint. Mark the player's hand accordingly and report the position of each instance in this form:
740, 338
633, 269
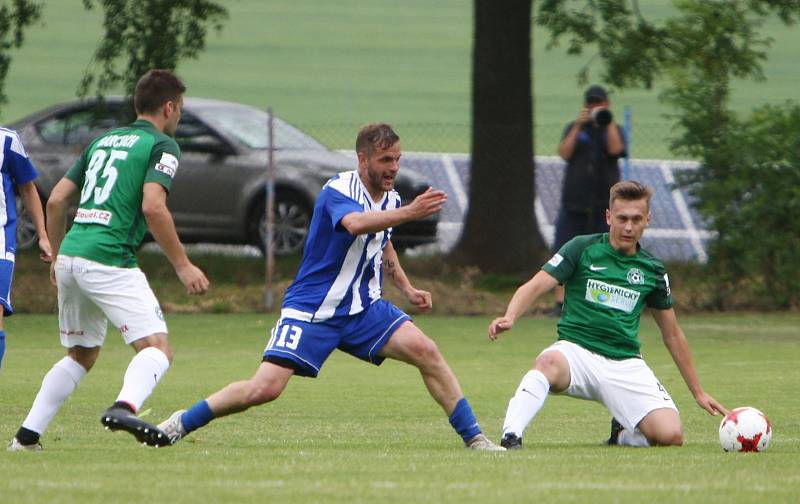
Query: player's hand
45, 250
421, 299
710, 404
193, 278
498, 325
584, 116
427, 203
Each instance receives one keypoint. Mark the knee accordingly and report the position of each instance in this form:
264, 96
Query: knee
263, 392
547, 363
86, 362
425, 353
555, 368
674, 438
86, 357
668, 437
164, 348
157, 341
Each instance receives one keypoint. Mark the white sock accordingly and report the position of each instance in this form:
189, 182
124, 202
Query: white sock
143, 374
57, 385
635, 438
527, 401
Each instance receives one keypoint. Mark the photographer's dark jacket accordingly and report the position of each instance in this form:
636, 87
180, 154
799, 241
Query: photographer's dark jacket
591, 171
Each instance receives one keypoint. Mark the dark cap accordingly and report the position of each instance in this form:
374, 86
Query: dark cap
595, 93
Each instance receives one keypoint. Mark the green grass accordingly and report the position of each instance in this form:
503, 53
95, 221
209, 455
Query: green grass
331, 66
362, 434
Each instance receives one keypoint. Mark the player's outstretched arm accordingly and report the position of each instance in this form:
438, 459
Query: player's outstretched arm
521, 301
162, 227
675, 341
392, 269
427, 203
30, 196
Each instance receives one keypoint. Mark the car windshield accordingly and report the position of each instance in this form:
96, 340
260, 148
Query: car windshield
249, 126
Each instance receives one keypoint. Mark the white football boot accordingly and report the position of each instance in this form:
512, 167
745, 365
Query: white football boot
481, 442
173, 427
15, 446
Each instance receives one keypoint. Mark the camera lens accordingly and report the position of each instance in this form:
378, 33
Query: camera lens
602, 116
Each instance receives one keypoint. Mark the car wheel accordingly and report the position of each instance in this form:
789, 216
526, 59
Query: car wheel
27, 237
292, 218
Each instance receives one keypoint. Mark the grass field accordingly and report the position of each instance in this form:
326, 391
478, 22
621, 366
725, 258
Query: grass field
331, 66
361, 434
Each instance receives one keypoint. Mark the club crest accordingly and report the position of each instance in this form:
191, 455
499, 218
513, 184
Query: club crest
635, 276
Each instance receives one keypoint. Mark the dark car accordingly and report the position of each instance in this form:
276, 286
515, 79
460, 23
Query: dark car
218, 195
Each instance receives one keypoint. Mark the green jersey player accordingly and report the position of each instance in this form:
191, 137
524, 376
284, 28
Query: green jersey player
120, 185
608, 280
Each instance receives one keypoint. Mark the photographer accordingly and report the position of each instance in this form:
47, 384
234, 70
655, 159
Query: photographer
591, 146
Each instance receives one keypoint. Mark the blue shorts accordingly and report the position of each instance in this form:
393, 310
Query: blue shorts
304, 346
6, 274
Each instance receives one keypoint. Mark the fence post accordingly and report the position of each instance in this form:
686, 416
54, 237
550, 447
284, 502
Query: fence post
627, 130
269, 208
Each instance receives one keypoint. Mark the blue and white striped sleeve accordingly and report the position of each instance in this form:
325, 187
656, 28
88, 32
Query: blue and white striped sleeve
19, 164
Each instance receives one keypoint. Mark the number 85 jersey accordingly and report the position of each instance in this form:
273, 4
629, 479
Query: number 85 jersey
111, 173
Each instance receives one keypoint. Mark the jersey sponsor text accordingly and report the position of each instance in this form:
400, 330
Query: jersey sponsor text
611, 296
93, 216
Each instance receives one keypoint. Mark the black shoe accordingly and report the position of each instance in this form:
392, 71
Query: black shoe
117, 418
511, 442
616, 428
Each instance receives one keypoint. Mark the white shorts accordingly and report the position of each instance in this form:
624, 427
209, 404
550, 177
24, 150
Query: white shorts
90, 294
628, 387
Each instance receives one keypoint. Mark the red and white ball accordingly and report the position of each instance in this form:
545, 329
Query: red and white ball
745, 430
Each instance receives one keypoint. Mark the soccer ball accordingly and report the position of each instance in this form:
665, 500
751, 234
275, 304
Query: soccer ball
745, 430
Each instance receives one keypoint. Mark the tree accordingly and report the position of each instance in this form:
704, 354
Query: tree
748, 190
707, 42
14, 19
500, 232
747, 183
144, 34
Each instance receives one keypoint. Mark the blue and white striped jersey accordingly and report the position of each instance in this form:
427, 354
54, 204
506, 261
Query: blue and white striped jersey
340, 274
16, 169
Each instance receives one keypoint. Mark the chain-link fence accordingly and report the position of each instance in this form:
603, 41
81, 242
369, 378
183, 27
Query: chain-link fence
440, 153
646, 140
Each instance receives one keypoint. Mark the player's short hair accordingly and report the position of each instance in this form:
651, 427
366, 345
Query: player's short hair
375, 135
629, 190
154, 89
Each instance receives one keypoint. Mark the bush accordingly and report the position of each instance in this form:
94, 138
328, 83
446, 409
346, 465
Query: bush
748, 188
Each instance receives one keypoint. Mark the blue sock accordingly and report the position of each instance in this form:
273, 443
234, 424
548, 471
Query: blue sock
2, 346
463, 420
197, 416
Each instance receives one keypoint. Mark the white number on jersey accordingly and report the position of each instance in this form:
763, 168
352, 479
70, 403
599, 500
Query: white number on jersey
101, 194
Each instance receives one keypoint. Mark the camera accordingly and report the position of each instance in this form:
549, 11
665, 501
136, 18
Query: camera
602, 116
